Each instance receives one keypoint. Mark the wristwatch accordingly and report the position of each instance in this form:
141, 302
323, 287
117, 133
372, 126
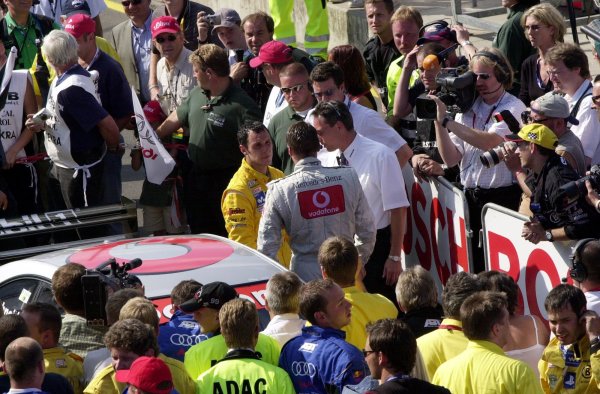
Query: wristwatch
394, 258
445, 121
549, 236
465, 43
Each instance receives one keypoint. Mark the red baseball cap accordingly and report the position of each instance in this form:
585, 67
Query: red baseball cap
154, 112
274, 52
149, 374
79, 24
164, 24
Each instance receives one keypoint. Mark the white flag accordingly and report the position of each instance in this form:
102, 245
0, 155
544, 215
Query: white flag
157, 160
6, 75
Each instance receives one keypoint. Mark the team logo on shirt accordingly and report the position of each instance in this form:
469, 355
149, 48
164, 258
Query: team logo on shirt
322, 202
569, 380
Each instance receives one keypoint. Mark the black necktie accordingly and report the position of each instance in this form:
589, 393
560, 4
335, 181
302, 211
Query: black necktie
341, 160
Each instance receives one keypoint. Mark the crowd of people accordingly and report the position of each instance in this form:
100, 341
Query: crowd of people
301, 158
327, 335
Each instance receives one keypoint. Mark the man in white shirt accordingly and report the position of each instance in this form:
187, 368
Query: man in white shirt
328, 84
381, 179
282, 298
570, 73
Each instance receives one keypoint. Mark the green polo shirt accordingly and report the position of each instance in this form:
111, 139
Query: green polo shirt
214, 123
25, 37
278, 127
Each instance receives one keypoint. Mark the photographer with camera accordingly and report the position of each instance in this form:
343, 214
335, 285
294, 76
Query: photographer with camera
426, 160
555, 216
227, 26
463, 140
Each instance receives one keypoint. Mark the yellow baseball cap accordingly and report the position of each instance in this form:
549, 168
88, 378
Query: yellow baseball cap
539, 135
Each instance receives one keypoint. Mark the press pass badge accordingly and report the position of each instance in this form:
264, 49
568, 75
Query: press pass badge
24, 296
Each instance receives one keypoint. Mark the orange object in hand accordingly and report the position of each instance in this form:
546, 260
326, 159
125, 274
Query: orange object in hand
430, 62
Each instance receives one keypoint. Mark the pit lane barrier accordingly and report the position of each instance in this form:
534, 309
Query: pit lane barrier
438, 238
69, 219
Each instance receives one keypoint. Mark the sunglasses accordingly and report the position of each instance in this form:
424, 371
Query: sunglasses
170, 37
326, 93
127, 3
295, 88
596, 100
483, 76
527, 119
367, 352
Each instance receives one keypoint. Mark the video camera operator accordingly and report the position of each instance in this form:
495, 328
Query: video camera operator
463, 140
558, 214
429, 59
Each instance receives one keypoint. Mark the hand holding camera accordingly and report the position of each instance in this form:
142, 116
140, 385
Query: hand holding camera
203, 25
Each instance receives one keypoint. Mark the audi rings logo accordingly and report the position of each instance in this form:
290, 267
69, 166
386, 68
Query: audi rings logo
302, 368
322, 201
185, 340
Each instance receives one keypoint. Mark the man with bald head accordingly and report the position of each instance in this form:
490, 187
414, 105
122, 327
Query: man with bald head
24, 364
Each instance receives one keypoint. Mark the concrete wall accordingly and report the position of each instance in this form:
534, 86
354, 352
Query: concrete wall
346, 25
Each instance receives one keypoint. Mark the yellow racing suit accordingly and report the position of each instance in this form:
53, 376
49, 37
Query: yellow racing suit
242, 205
66, 364
570, 369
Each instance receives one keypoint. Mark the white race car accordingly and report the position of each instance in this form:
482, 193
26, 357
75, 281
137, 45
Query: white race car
166, 261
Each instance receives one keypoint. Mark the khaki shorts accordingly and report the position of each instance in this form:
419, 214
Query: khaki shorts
159, 218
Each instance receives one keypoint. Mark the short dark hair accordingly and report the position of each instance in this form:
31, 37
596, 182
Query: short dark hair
480, 312
11, 328
269, 22
571, 55
590, 255
389, 4
597, 78
67, 287
49, 317
184, 291
395, 339
131, 335
247, 127
312, 299
339, 258
458, 287
115, 303
326, 70
333, 112
302, 139
563, 295
501, 281
22, 357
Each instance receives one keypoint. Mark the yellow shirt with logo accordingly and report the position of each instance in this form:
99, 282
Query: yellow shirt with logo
202, 356
105, 383
66, 364
582, 375
441, 345
245, 376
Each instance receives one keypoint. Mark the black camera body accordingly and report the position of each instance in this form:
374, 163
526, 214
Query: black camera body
107, 278
572, 191
457, 92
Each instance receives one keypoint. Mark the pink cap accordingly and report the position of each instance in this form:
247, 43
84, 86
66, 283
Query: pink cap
164, 24
274, 52
79, 24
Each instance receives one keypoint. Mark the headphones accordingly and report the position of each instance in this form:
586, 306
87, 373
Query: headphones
504, 70
578, 271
